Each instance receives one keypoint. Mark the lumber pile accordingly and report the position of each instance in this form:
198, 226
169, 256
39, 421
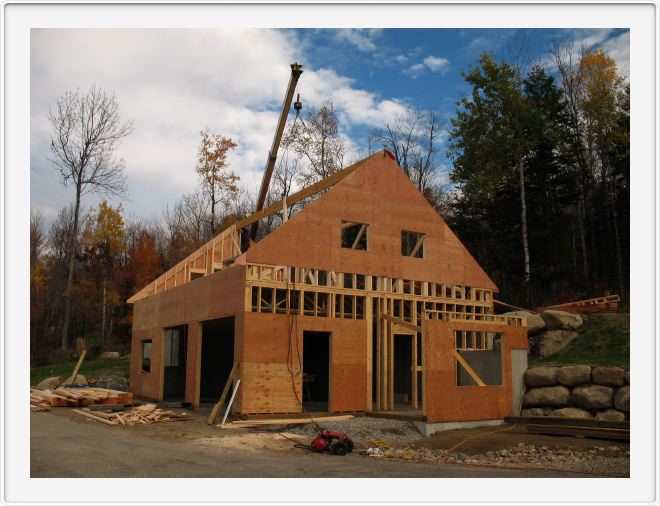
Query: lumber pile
62, 396
145, 414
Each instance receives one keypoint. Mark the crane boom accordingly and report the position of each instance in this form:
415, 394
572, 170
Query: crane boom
296, 71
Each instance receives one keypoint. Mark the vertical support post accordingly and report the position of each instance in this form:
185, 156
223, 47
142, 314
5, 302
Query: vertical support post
379, 339
413, 365
423, 364
390, 356
369, 317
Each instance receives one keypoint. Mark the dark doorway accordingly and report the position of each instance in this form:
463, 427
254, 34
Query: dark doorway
402, 371
217, 357
316, 370
174, 382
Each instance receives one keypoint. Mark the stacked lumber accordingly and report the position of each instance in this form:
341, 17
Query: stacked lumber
38, 403
145, 414
62, 396
607, 304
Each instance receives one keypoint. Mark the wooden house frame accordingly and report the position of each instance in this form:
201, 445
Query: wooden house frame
368, 267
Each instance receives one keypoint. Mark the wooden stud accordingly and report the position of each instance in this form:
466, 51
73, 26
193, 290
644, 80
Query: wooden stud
368, 316
215, 412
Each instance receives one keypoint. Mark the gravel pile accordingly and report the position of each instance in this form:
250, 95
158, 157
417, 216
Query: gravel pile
610, 460
363, 429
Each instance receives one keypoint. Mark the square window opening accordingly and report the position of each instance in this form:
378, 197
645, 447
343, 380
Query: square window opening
412, 244
354, 235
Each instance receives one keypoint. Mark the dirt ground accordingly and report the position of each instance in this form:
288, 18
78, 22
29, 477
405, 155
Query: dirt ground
475, 446
89, 449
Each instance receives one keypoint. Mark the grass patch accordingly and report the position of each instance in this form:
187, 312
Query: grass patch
90, 368
604, 340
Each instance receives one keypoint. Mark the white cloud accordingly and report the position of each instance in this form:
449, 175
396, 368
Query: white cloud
430, 63
362, 38
172, 84
619, 49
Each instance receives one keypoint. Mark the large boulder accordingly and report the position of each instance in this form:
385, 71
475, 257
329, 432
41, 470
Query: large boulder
535, 323
50, 383
571, 413
536, 411
541, 376
552, 341
622, 399
547, 396
112, 383
613, 376
611, 415
561, 320
626, 376
592, 397
80, 379
572, 375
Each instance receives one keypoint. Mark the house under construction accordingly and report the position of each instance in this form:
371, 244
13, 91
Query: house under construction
364, 301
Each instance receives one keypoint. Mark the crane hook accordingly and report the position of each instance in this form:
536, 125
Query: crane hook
297, 105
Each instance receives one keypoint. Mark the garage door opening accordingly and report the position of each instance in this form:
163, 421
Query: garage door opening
316, 371
174, 383
217, 357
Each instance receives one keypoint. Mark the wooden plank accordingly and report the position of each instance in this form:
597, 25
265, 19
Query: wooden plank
469, 369
287, 421
93, 416
231, 401
72, 378
298, 196
213, 417
401, 322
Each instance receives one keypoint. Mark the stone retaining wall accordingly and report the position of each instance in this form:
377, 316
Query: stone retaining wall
578, 391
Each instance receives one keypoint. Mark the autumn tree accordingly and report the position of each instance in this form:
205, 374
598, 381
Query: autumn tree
86, 132
102, 244
218, 182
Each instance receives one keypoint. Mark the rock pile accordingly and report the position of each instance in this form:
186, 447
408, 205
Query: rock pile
550, 331
606, 460
578, 391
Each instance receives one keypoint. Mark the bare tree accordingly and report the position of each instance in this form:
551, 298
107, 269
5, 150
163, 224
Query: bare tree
87, 130
413, 139
37, 235
317, 141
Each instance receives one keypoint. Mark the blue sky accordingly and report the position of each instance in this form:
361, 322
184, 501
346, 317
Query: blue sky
172, 90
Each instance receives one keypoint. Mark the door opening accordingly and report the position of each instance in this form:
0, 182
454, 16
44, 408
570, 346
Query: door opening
316, 371
403, 363
217, 357
175, 346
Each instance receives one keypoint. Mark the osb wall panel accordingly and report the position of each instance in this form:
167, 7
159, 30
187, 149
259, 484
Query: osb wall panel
146, 384
447, 402
266, 383
213, 296
380, 194
193, 363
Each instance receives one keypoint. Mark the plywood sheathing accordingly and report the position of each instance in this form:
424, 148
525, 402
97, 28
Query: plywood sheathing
213, 296
377, 193
266, 372
447, 402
